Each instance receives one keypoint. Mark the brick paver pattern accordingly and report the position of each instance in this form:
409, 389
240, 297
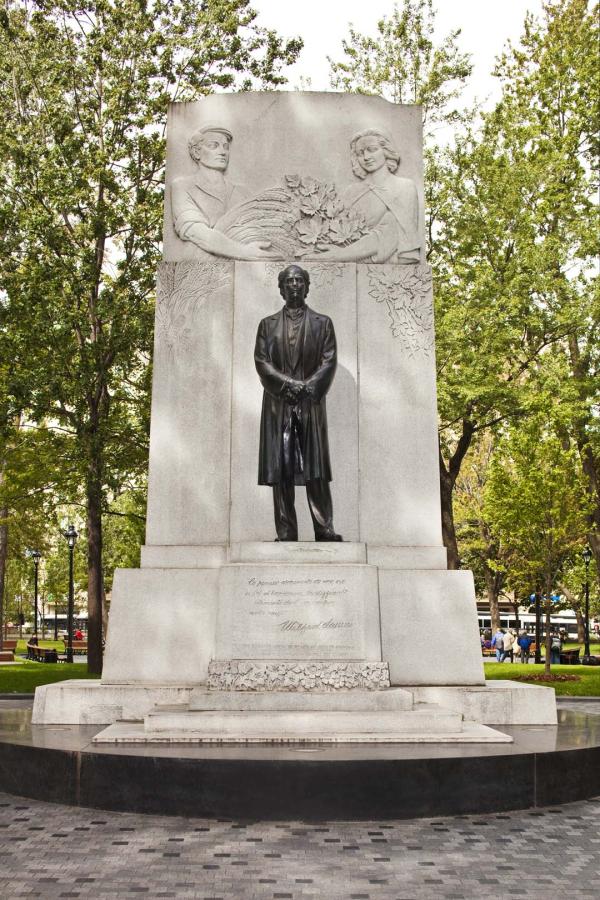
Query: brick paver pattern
49, 851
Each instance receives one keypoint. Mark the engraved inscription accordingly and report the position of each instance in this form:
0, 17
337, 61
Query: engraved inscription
306, 616
295, 625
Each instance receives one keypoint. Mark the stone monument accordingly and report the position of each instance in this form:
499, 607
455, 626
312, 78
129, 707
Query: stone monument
224, 634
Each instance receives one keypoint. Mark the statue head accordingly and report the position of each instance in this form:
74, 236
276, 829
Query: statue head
370, 150
294, 282
209, 147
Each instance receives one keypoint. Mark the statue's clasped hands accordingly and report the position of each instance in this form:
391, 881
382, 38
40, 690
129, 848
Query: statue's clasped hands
295, 391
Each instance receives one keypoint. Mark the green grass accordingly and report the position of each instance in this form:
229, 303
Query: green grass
23, 678
588, 686
22, 645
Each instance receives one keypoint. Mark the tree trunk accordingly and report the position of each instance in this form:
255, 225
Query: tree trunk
95, 577
516, 607
580, 625
448, 476
492, 591
3, 557
575, 605
448, 530
548, 639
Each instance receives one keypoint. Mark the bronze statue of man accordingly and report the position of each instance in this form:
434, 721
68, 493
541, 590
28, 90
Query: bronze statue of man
296, 358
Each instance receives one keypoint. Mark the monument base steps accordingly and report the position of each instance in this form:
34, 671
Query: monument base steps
239, 717
431, 725
83, 702
392, 699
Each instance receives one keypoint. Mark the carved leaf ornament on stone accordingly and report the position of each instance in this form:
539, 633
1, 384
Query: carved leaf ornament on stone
406, 291
182, 288
322, 275
298, 217
236, 675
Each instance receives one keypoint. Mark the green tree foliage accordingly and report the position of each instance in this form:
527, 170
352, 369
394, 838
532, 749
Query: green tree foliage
84, 89
514, 250
550, 116
536, 503
404, 64
481, 549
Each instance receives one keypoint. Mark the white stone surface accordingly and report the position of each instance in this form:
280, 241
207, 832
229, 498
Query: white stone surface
285, 133
190, 434
198, 556
82, 702
314, 612
398, 442
161, 626
407, 557
135, 733
496, 703
425, 717
429, 627
298, 552
390, 699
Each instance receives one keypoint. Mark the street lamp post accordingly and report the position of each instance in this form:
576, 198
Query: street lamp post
36, 556
71, 535
587, 556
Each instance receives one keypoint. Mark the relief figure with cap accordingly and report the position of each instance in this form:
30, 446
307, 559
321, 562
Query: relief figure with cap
200, 200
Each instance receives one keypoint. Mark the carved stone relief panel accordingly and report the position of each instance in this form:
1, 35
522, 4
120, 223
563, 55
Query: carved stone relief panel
246, 675
333, 178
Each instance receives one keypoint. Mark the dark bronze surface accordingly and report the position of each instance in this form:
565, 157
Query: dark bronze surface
296, 359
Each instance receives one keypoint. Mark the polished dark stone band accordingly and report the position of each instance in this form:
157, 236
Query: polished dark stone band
546, 765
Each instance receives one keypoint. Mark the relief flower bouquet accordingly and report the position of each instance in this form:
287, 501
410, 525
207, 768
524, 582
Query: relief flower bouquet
300, 217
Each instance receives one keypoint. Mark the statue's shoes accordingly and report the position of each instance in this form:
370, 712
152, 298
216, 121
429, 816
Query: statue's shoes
284, 540
330, 537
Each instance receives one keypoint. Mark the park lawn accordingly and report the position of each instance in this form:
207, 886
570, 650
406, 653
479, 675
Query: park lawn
22, 645
23, 678
588, 686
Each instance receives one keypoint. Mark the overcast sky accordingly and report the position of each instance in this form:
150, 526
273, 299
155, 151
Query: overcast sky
485, 27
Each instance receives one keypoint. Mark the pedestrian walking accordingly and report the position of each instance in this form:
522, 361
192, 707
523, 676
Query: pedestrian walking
498, 644
524, 642
508, 642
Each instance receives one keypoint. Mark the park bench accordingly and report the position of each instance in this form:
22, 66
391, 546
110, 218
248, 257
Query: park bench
570, 657
41, 654
7, 653
79, 647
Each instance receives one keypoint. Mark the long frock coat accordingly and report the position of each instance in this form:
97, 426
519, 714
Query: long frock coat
316, 365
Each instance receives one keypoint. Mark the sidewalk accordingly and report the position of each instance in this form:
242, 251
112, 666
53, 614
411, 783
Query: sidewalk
55, 851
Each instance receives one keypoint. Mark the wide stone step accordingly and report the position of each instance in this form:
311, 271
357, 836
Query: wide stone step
342, 701
302, 724
135, 733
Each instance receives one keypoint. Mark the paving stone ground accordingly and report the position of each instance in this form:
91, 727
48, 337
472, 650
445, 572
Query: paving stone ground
49, 851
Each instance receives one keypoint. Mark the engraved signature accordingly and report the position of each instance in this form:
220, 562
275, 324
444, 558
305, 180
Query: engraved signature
295, 625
